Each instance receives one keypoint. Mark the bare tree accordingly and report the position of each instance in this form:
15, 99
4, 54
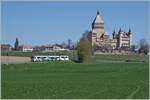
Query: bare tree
133, 48
143, 46
64, 44
85, 34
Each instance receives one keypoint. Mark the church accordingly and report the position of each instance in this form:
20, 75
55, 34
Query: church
99, 37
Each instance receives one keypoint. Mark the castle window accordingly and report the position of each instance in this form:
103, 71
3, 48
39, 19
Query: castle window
102, 27
94, 34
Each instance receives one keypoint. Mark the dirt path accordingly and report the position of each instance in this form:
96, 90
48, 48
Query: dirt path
14, 59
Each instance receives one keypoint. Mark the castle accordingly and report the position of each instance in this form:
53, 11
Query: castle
98, 36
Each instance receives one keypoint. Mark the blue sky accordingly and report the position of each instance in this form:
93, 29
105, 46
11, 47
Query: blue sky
40, 23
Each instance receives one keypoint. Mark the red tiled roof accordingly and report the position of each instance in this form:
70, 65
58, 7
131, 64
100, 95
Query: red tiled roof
5, 46
25, 46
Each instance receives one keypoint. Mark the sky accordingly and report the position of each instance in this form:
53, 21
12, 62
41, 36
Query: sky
49, 22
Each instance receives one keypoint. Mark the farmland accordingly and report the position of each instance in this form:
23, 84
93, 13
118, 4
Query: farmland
71, 80
29, 54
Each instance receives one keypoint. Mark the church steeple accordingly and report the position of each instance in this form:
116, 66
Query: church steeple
129, 30
113, 34
97, 12
97, 29
114, 31
120, 30
98, 21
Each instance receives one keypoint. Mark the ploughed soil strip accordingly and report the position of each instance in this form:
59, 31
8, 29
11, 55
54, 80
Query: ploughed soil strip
14, 59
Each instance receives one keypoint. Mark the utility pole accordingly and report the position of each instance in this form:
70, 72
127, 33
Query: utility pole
73, 53
7, 60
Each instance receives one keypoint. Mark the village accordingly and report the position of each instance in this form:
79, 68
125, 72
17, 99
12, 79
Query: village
100, 40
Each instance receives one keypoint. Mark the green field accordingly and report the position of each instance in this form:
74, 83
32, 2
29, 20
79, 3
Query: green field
121, 58
77, 80
71, 53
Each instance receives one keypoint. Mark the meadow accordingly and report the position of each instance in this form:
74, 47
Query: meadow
62, 80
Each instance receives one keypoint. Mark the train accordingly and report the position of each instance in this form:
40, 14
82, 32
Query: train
42, 58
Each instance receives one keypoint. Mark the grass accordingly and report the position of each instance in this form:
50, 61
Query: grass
75, 80
123, 58
29, 54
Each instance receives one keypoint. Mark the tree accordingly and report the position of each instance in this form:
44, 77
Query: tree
64, 44
16, 44
143, 46
133, 48
69, 43
75, 45
85, 34
84, 50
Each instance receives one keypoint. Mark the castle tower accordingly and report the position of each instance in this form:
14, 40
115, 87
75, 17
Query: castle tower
97, 29
130, 36
124, 39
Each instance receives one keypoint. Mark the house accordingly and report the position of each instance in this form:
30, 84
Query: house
6, 47
54, 48
26, 48
50, 48
39, 48
58, 47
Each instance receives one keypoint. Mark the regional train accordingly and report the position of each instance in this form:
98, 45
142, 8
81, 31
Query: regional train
49, 58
